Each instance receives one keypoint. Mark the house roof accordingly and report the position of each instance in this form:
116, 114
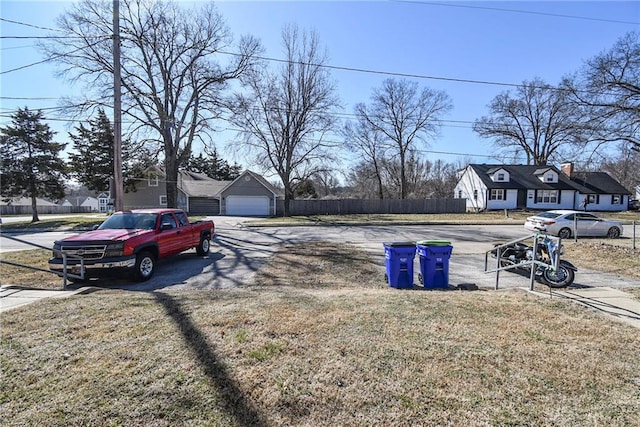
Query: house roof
258, 178
526, 177
203, 188
195, 184
522, 177
599, 182
26, 201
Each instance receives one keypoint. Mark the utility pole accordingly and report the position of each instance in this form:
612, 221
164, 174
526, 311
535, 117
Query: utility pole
117, 113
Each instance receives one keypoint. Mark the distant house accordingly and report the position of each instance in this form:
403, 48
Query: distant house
104, 203
22, 206
248, 195
85, 201
26, 201
490, 187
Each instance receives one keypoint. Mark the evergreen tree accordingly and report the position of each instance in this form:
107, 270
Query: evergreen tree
212, 165
91, 161
30, 160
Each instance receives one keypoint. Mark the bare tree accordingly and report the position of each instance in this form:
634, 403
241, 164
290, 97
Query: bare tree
405, 117
170, 77
284, 116
624, 167
537, 119
367, 142
361, 182
609, 87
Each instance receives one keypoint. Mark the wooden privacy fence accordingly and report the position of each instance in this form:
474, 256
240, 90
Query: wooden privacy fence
372, 206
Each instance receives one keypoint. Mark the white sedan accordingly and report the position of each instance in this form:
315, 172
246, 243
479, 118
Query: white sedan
564, 223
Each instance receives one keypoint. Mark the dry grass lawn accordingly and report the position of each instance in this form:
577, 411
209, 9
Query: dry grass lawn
316, 341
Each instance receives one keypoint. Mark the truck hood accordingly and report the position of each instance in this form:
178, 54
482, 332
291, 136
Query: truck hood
107, 234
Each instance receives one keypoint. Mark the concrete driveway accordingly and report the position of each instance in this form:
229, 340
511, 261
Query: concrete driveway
238, 252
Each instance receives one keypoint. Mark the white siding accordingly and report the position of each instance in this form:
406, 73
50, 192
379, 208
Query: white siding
470, 185
510, 202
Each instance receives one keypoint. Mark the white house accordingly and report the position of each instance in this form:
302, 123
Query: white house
84, 201
491, 187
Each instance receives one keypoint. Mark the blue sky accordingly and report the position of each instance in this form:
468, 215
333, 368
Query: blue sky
495, 41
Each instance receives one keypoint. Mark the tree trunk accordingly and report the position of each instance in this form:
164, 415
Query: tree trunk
403, 178
171, 170
172, 183
34, 209
288, 196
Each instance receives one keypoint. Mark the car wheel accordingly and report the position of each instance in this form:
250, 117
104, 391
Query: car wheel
564, 233
145, 265
203, 247
613, 233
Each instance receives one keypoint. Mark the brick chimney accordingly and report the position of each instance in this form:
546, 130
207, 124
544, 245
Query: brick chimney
567, 168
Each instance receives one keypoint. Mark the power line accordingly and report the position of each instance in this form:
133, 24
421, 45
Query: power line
28, 25
386, 73
17, 98
17, 47
527, 12
40, 37
409, 75
51, 58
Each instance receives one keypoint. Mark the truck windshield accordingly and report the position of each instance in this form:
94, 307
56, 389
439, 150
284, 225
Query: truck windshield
130, 221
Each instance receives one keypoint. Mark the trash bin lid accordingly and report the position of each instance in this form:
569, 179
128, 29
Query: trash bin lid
434, 243
399, 244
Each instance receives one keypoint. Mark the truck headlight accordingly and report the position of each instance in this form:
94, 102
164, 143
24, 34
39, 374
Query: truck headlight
114, 249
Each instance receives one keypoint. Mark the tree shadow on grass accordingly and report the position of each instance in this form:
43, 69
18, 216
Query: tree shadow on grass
234, 400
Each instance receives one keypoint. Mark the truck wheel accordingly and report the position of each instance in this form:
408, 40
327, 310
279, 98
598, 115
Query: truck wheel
145, 264
203, 247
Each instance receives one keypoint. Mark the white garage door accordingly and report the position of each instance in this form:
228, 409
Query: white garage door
248, 205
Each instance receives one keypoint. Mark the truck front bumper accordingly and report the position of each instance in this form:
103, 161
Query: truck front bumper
92, 267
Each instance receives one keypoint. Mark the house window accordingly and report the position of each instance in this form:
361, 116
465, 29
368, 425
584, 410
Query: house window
501, 176
163, 200
547, 196
153, 179
475, 194
593, 198
496, 194
459, 194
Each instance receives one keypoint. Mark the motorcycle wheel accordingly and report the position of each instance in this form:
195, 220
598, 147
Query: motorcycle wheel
561, 278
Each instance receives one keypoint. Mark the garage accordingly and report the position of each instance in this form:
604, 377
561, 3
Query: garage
204, 206
248, 205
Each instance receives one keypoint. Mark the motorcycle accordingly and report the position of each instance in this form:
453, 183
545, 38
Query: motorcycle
520, 256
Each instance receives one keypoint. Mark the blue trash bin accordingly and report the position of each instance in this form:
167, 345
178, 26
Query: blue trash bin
434, 263
399, 258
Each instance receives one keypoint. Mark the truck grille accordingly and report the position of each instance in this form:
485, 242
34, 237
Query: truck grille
86, 252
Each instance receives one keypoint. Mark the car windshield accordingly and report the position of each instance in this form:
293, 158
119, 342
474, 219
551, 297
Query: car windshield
130, 220
548, 215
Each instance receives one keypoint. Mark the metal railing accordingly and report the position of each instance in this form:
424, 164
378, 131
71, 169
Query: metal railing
65, 271
530, 263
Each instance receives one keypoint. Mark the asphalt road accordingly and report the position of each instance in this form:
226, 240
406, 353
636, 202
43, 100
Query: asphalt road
238, 252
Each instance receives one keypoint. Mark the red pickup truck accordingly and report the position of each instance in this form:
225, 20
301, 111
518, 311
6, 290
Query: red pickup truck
130, 242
